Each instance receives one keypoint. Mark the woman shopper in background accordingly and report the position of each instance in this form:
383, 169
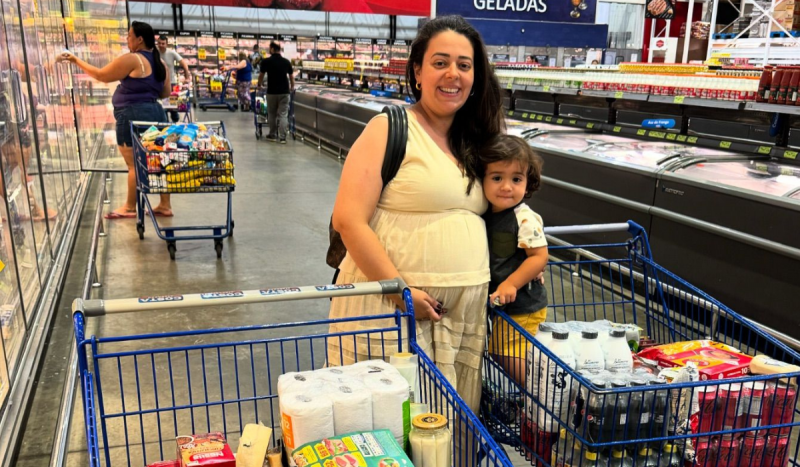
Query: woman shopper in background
143, 80
244, 78
425, 225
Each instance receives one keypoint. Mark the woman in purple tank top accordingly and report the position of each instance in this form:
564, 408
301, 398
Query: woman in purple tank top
143, 80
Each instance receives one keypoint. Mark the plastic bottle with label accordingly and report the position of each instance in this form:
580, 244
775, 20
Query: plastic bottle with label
764, 85
617, 353
617, 405
590, 354
563, 450
639, 410
783, 86
555, 382
661, 409
775, 86
670, 457
647, 458
535, 360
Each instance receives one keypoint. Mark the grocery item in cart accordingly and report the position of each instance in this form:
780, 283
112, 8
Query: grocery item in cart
754, 394
617, 353
763, 365
352, 407
555, 382
533, 371
390, 404
776, 452
590, 354
430, 441
753, 451
305, 417
371, 449
714, 360
210, 449
779, 408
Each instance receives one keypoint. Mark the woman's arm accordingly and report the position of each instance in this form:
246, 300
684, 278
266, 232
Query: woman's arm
119, 68
526, 272
359, 191
166, 90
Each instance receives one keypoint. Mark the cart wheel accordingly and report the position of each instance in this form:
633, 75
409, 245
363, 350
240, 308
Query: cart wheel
171, 248
140, 230
218, 248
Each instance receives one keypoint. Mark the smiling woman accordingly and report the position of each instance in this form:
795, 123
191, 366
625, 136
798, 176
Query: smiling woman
425, 225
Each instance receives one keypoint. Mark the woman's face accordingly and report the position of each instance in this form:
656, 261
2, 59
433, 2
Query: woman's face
134, 42
446, 74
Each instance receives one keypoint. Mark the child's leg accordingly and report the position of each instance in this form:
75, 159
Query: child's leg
509, 348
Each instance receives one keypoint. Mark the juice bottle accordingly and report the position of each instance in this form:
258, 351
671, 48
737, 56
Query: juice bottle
764, 84
791, 93
784, 86
775, 86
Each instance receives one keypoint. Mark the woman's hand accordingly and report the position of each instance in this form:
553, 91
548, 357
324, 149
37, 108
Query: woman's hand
506, 293
425, 306
68, 57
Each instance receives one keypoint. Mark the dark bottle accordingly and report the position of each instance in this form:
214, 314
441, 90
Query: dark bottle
791, 93
775, 86
619, 410
764, 84
597, 420
660, 415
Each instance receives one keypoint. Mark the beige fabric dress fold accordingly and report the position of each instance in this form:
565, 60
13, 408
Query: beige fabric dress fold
433, 233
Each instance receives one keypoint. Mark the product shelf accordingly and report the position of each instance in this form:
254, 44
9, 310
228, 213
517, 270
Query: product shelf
764, 107
693, 101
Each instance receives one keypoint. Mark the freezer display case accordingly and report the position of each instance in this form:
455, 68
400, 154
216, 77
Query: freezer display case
207, 62
306, 49
246, 43
326, 47
344, 47
363, 49
227, 49
399, 49
381, 50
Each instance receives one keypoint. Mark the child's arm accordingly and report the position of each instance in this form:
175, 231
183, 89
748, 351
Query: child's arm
525, 273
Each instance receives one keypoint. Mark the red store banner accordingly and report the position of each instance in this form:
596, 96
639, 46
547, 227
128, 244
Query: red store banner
378, 7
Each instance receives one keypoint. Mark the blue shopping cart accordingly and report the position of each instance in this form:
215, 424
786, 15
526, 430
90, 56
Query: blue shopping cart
748, 421
191, 172
140, 392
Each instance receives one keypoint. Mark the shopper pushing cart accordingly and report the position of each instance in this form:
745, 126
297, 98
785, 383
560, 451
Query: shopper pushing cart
280, 85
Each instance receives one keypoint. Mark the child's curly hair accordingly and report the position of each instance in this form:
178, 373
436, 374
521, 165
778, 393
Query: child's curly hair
508, 148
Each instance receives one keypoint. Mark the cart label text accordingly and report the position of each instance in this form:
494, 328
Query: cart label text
161, 298
280, 291
231, 294
325, 288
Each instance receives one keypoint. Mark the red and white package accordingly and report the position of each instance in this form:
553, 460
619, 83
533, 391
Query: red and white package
172, 463
208, 449
714, 360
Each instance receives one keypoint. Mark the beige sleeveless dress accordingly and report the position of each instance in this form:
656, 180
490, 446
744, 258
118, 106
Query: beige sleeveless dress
434, 235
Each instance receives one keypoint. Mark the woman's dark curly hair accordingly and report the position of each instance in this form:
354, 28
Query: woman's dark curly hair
508, 148
480, 118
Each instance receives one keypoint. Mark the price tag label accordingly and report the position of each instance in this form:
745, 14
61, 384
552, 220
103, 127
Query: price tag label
682, 138
216, 86
524, 115
679, 99
560, 121
618, 95
510, 113
617, 129
671, 136
641, 132
656, 134
221, 54
764, 149
546, 88
510, 83
725, 144
590, 125
573, 122
549, 119
691, 139
539, 118
201, 54
790, 155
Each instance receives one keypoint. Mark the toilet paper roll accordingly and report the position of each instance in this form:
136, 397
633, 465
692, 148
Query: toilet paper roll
336, 374
352, 408
371, 367
389, 403
305, 417
305, 381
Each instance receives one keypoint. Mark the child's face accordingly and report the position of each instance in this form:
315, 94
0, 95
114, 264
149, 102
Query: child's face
504, 184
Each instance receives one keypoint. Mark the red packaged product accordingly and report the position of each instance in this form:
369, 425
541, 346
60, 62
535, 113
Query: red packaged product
717, 453
754, 395
779, 408
173, 463
708, 418
753, 452
731, 408
714, 360
776, 453
206, 449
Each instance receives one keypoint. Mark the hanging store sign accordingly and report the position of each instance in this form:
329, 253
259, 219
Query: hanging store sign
380, 7
554, 11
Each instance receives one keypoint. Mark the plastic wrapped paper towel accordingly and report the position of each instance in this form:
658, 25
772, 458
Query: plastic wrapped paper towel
352, 407
305, 417
371, 367
390, 403
305, 381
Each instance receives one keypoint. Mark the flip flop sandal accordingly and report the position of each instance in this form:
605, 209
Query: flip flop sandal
117, 215
159, 214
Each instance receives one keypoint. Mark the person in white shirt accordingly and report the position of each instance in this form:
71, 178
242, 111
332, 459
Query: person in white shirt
171, 57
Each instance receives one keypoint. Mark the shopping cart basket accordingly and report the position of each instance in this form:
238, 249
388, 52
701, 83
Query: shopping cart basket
181, 172
258, 104
140, 392
221, 100
748, 421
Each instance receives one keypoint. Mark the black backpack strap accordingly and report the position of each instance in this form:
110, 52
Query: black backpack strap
396, 143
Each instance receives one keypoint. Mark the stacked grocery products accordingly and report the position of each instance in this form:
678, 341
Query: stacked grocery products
395, 67
779, 85
187, 158
338, 64
628, 397
671, 68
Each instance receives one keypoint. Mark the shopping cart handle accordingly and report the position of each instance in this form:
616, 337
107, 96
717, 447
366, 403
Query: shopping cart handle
238, 297
629, 226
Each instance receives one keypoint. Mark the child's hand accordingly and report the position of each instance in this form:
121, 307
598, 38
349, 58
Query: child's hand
505, 294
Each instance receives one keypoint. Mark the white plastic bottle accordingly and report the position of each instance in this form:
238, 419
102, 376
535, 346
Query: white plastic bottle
590, 354
555, 382
536, 360
617, 353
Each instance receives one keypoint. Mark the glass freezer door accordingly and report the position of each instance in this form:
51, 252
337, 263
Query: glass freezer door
764, 177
